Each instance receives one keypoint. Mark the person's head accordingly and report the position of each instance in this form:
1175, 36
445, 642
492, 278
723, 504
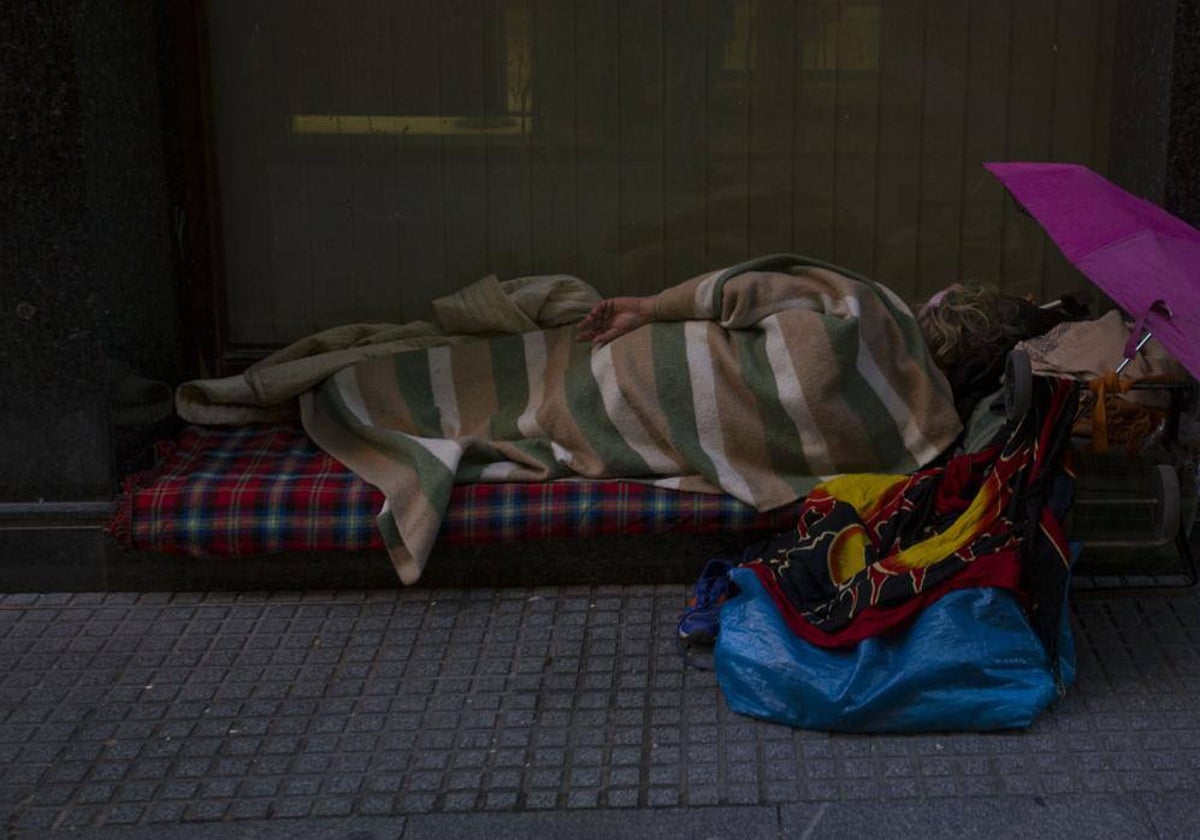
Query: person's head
968, 326
970, 330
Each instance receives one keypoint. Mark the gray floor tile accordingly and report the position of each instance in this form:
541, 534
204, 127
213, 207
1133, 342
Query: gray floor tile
1063, 818
736, 823
552, 708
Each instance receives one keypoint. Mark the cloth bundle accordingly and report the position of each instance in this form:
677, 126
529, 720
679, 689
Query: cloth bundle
1112, 412
867, 576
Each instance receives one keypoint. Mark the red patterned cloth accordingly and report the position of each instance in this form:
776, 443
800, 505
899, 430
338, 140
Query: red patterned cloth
992, 518
231, 492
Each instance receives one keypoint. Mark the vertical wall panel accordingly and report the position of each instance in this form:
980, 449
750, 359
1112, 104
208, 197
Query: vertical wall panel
772, 99
1075, 42
324, 161
686, 140
897, 200
815, 128
1031, 97
726, 198
1103, 60
504, 26
465, 180
983, 199
292, 209
597, 213
240, 137
640, 150
855, 133
418, 162
375, 278
553, 198
943, 104
267, 142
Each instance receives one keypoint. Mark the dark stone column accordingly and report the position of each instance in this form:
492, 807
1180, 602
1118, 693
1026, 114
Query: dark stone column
1141, 95
1183, 157
88, 292
53, 434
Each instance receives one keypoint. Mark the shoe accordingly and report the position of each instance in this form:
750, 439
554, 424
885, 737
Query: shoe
701, 620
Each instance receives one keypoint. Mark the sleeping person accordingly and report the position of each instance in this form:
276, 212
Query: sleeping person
968, 328
756, 381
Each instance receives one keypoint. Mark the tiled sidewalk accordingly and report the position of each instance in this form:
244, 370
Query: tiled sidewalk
543, 707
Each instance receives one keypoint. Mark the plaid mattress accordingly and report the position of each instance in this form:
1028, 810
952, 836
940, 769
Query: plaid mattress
227, 492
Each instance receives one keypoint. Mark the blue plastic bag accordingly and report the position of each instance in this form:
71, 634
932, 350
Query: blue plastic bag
969, 661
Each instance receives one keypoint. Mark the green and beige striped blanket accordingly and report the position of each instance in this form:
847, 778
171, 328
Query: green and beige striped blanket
757, 381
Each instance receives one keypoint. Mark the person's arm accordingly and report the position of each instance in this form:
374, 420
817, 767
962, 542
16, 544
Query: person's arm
687, 301
736, 298
613, 317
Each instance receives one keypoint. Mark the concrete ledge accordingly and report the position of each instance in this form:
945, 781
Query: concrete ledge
930, 819
74, 560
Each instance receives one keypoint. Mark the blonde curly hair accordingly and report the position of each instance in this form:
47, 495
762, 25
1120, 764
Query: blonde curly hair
970, 330
971, 325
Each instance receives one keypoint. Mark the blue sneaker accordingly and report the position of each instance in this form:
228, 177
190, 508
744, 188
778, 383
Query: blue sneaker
701, 620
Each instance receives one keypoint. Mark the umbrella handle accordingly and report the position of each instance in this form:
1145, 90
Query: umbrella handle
1132, 349
1146, 336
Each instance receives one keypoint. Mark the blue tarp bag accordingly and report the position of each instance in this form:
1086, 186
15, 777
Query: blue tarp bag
969, 661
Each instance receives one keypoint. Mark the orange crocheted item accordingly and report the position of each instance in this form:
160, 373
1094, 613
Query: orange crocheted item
1117, 421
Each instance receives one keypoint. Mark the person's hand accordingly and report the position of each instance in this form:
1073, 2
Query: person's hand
613, 317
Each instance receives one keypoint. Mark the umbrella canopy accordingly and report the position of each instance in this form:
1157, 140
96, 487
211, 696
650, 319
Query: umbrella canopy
1141, 256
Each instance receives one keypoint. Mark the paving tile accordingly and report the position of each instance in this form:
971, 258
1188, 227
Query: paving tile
1072, 816
553, 702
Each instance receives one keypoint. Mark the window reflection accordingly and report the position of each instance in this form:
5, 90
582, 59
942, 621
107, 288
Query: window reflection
374, 155
840, 36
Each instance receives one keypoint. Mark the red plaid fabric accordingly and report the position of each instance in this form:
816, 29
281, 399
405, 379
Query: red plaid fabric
219, 492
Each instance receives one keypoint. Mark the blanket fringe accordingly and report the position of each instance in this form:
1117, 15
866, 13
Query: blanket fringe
120, 524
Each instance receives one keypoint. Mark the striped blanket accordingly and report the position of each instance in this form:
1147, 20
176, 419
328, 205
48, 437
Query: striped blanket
756, 381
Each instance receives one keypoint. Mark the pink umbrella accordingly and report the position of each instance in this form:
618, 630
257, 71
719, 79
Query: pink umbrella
1141, 256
